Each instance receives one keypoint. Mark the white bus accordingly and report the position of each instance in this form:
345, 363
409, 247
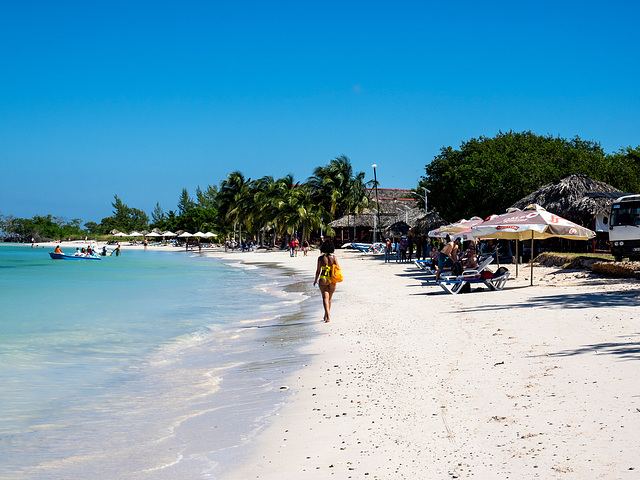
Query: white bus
624, 228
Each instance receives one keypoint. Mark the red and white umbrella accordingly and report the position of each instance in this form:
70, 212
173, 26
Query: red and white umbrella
532, 223
461, 226
436, 233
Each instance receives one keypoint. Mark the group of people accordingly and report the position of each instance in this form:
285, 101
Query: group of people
85, 252
244, 245
452, 255
402, 251
295, 246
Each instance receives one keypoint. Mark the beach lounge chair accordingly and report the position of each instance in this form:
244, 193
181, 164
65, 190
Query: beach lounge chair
469, 272
456, 285
481, 266
368, 247
497, 282
424, 265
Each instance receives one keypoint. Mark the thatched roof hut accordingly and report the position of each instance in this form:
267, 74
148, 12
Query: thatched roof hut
396, 206
359, 220
396, 229
577, 198
427, 223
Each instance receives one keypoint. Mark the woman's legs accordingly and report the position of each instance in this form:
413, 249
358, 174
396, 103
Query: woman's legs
327, 292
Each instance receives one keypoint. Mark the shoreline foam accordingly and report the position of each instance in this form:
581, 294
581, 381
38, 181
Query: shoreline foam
189, 368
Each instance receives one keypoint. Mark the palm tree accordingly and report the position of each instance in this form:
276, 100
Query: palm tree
233, 192
297, 210
262, 202
337, 188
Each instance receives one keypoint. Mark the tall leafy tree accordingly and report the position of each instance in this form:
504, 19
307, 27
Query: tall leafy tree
124, 218
487, 175
185, 203
158, 216
622, 169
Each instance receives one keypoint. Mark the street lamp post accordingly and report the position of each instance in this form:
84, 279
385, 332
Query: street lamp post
374, 225
375, 184
426, 211
406, 213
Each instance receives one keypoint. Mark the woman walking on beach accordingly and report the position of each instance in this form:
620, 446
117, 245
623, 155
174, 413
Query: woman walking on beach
323, 276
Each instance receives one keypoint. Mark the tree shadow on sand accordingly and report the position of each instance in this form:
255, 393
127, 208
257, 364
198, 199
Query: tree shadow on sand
624, 350
624, 298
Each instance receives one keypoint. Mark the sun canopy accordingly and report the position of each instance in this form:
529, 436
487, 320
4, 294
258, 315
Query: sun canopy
460, 225
534, 222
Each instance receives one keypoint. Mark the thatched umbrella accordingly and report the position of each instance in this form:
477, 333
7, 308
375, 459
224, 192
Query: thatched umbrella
396, 229
575, 197
428, 222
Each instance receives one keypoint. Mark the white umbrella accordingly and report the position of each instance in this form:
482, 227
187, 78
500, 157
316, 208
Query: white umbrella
210, 234
460, 225
121, 234
153, 234
436, 233
169, 233
185, 235
136, 234
198, 234
464, 235
534, 222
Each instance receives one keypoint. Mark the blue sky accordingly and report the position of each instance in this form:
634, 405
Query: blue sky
144, 98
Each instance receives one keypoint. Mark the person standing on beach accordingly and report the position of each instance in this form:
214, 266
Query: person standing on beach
323, 276
446, 257
387, 251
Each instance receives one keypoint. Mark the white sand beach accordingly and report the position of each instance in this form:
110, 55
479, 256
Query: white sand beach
410, 382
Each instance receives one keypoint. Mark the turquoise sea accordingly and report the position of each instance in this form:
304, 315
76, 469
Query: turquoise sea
151, 365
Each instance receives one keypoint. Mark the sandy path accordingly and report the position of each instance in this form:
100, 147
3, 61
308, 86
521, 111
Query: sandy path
409, 382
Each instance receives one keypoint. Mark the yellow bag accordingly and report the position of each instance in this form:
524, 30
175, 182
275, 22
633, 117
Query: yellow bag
336, 274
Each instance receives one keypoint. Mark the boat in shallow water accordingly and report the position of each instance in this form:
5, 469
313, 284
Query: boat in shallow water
66, 256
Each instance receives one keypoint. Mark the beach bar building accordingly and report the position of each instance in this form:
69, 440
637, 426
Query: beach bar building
393, 211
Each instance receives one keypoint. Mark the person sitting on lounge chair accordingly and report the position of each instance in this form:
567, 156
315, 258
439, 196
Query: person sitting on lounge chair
471, 261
